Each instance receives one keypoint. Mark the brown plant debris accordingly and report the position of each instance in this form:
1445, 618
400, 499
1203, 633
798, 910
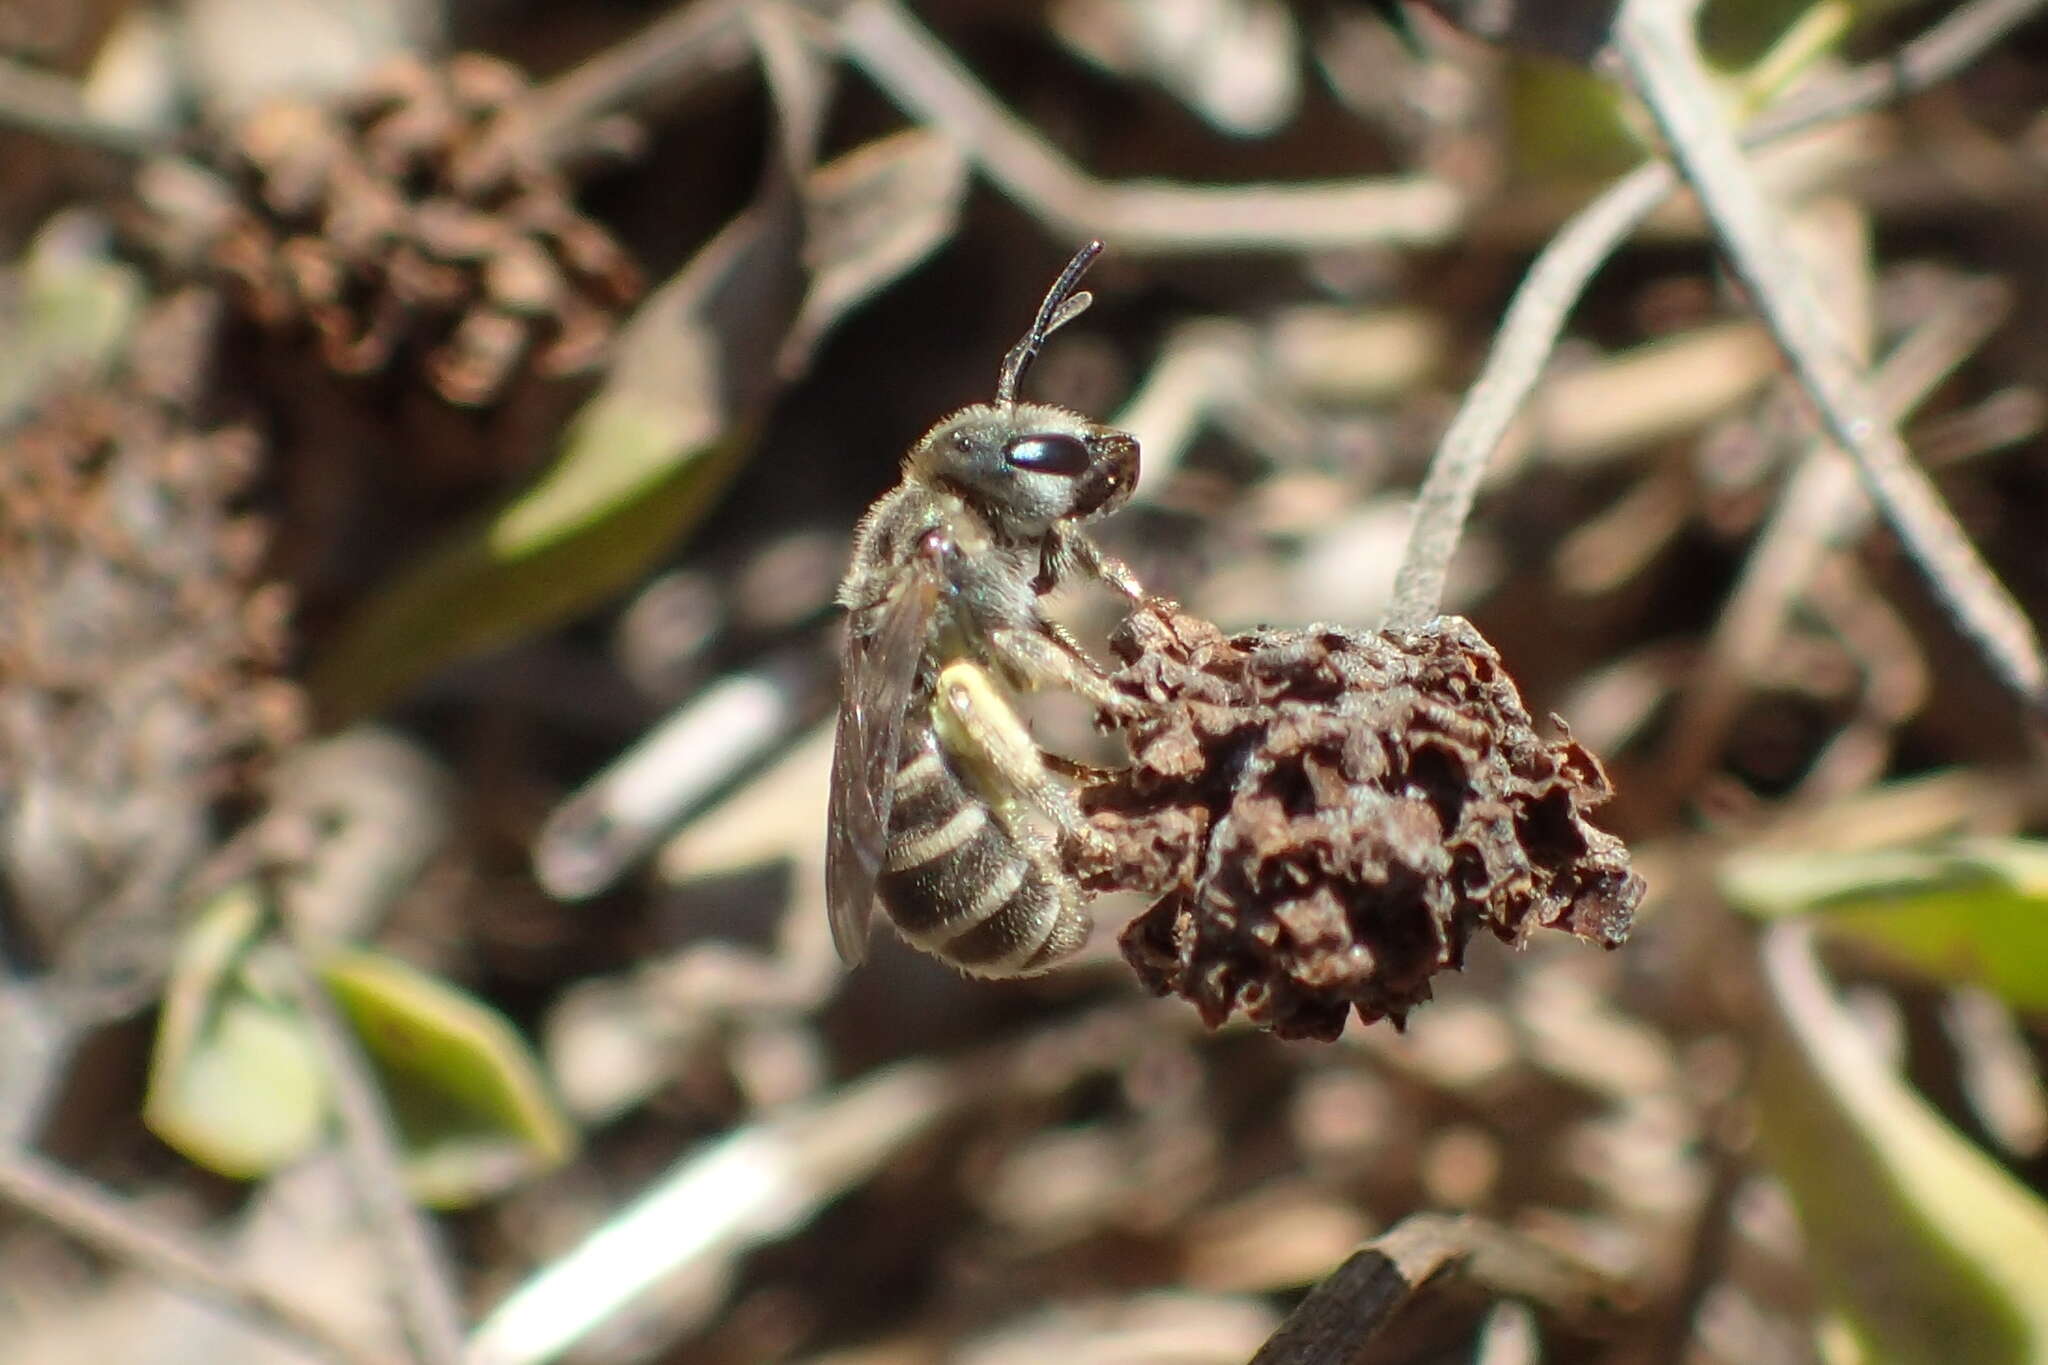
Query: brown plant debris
411, 219
1328, 816
142, 646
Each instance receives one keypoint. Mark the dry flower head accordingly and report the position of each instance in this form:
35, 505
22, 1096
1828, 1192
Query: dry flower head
412, 216
1326, 817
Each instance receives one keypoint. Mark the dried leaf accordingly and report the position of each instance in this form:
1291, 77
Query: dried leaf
873, 214
1328, 817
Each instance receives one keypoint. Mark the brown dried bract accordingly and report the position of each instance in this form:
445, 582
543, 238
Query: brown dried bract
414, 221
1328, 816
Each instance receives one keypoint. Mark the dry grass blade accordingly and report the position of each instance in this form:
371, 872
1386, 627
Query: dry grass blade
1820, 496
127, 1234
1560, 274
753, 1185
1655, 46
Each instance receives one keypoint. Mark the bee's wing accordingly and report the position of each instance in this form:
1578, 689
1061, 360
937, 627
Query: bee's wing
883, 644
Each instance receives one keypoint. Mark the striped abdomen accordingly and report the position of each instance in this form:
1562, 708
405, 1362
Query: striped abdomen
960, 885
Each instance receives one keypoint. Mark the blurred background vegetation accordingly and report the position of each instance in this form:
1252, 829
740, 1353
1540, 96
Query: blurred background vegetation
431, 432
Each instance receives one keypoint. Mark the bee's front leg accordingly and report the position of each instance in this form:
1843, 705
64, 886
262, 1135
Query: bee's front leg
1068, 552
1106, 568
1045, 657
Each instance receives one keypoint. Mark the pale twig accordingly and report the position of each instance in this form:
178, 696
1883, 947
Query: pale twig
685, 45
1536, 317
1707, 1252
50, 104
1959, 39
928, 81
1509, 1336
752, 1186
607, 826
708, 38
772, 1175
1524, 341
419, 1275
2012, 415
84, 1211
1894, 674
1204, 367
1653, 40
39, 1041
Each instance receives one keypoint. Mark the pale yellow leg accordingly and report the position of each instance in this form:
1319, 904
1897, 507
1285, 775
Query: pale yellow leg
997, 752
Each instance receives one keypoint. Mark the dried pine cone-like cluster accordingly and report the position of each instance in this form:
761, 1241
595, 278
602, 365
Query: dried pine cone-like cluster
415, 217
1329, 816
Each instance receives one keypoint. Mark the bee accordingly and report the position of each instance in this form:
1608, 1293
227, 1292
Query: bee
943, 807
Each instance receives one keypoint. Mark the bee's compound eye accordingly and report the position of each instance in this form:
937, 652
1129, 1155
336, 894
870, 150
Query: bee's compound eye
1048, 452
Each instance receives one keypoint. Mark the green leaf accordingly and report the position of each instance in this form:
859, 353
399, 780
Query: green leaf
490, 585
1973, 911
1932, 1253
641, 463
463, 1089
638, 466
234, 1083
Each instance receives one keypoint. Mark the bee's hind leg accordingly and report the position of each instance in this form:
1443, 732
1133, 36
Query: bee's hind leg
1075, 771
999, 755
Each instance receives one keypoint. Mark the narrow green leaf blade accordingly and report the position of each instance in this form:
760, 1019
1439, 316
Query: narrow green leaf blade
1931, 1251
1973, 911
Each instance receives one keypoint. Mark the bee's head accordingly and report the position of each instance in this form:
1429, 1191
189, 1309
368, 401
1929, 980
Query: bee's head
1029, 465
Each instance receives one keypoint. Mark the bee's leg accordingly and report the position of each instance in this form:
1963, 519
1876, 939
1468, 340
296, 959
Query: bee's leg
1000, 757
1046, 657
1073, 770
1068, 552
1064, 638
1107, 569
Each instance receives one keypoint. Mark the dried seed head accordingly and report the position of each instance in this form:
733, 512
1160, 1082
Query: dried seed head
1328, 816
413, 223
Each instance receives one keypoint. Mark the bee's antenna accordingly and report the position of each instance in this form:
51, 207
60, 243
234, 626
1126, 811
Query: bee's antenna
1062, 305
